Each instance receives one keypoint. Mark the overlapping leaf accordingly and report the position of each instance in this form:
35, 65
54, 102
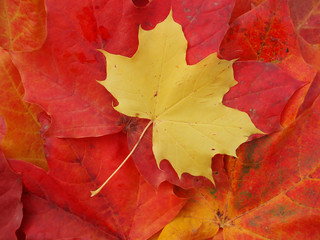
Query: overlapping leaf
204, 25
263, 92
243, 6
273, 191
10, 199
266, 33
65, 69
22, 24
67, 66
304, 17
58, 204
22, 130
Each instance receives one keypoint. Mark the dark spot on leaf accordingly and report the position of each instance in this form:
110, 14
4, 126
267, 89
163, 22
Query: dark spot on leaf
78, 160
219, 213
140, 3
212, 191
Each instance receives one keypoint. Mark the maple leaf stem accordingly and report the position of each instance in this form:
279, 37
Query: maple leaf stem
93, 193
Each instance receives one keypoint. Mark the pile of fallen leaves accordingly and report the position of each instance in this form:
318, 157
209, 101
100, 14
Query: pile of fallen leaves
202, 115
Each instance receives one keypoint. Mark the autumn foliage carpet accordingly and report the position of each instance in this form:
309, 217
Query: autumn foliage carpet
62, 138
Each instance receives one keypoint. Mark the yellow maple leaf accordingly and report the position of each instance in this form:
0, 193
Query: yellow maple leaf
183, 102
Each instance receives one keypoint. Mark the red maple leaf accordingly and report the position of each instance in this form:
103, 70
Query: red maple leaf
57, 204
